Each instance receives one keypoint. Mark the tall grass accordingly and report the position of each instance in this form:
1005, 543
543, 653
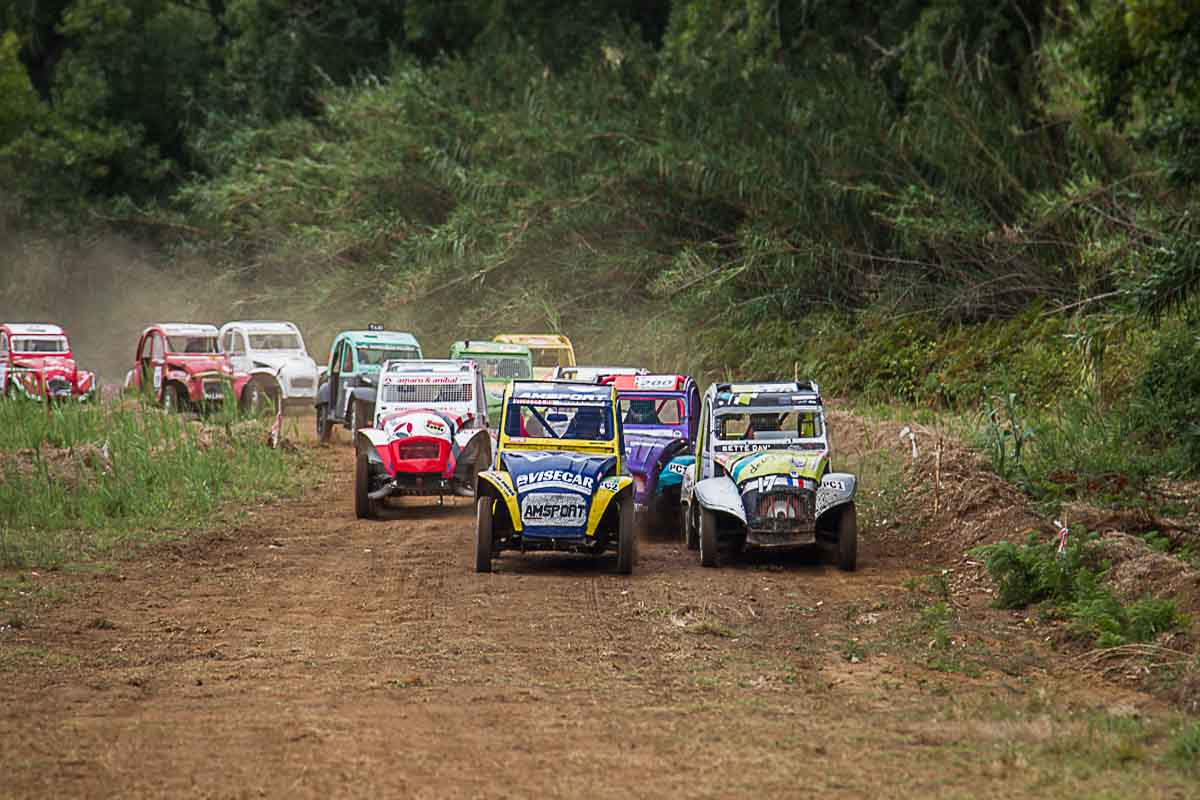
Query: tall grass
76, 480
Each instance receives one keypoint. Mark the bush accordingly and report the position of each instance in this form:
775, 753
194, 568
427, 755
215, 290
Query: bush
1033, 573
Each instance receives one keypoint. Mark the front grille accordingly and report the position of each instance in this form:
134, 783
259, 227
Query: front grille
415, 450
782, 511
213, 390
427, 393
302, 382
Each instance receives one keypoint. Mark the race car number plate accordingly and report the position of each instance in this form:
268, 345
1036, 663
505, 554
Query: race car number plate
562, 509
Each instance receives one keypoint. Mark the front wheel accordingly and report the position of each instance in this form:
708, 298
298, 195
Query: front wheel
360, 417
626, 538
708, 538
690, 537
483, 534
364, 506
847, 545
254, 399
172, 398
324, 426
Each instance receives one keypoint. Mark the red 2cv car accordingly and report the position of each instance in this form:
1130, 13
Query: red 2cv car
36, 361
181, 367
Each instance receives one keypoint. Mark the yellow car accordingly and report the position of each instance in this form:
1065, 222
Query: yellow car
559, 480
550, 351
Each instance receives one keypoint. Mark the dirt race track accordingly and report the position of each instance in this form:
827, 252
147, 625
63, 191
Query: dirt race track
305, 653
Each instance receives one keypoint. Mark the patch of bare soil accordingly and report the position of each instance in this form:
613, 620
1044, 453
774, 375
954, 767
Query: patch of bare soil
302, 652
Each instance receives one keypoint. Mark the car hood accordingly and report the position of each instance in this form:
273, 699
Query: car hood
793, 463
48, 365
555, 489
197, 365
425, 423
284, 364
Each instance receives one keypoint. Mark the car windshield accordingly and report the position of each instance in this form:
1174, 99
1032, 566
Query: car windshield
39, 344
374, 355
550, 357
192, 344
651, 410
773, 424
276, 341
502, 367
557, 421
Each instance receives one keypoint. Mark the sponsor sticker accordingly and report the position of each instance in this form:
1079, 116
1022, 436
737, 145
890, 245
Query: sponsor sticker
769, 483
654, 382
545, 509
435, 426
555, 477
677, 468
611, 484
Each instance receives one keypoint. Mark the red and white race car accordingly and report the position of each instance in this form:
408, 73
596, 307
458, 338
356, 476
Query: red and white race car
36, 361
182, 367
430, 435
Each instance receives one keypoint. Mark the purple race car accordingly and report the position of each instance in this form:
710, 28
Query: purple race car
660, 415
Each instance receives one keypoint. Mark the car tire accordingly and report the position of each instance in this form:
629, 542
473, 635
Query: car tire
847, 543
626, 538
358, 416
691, 537
483, 534
364, 506
708, 538
173, 400
255, 398
324, 426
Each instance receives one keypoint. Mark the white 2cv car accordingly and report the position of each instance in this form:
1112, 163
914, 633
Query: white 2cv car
273, 355
429, 437
762, 477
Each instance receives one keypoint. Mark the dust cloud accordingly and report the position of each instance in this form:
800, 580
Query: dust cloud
106, 290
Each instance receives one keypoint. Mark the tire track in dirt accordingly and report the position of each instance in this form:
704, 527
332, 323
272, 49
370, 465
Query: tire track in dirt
303, 652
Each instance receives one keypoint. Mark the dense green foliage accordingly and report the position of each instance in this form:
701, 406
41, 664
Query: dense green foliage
939, 201
1070, 585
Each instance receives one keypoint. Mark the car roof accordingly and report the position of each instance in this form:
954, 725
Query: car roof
536, 339
263, 326
785, 394
485, 347
33, 329
380, 337
561, 390
186, 329
649, 383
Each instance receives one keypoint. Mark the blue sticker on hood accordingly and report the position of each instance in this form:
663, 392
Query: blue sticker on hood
555, 490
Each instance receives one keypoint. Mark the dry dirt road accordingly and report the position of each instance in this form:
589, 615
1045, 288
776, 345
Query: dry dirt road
303, 653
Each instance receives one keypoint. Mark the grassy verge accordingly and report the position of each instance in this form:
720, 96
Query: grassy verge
77, 480
1068, 585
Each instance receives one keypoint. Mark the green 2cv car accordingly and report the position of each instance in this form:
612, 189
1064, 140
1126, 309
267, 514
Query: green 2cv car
500, 363
348, 387
762, 477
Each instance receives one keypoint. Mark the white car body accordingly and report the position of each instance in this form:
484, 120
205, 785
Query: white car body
274, 355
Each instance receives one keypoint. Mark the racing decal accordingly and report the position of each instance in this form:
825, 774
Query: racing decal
677, 467
743, 447
421, 380
654, 382
569, 400
435, 426
836, 485
530, 481
771, 483
545, 509
610, 484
